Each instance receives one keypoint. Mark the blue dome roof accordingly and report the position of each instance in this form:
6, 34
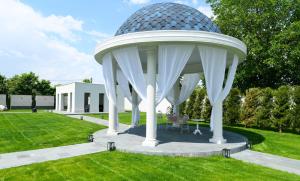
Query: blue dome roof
167, 16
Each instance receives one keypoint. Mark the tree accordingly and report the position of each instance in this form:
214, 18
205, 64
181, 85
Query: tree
87, 80
281, 108
232, 106
44, 87
295, 112
23, 84
264, 110
264, 25
3, 85
182, 108
190, 104
197, 108
206, 109
249, 107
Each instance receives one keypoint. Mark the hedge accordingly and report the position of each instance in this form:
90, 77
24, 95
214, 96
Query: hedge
258, 107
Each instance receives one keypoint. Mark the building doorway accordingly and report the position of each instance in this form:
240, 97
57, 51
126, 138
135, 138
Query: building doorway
87, 101
101, 102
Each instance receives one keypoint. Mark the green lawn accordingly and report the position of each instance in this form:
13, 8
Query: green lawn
283, 144
126, 166
124, 117
27, 131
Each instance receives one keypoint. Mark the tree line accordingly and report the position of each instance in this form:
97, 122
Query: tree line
263, 108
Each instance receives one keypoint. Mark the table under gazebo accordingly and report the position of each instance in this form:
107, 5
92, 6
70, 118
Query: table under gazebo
160, 52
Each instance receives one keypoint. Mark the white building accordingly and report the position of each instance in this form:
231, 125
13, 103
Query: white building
81, 97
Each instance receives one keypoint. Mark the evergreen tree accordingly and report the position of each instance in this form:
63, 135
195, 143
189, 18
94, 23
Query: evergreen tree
295, 116
281, 108
182, 108
197, 109
264, 111
249, 108
206, 109
232, 105
190, 104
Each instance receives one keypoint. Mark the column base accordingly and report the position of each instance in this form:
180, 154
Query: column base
218, 140
150, 143
112, 132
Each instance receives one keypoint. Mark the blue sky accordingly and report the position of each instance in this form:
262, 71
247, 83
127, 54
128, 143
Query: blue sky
56, 38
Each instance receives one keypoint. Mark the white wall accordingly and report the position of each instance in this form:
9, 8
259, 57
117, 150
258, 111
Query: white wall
162, 106
20, 100
78, 90
44, 101
3, 99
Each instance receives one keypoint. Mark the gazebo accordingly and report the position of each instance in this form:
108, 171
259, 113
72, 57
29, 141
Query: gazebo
160, 52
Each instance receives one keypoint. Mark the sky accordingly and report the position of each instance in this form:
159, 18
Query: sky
56, 38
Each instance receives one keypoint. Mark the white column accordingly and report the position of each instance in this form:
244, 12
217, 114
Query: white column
69, 102
151, 91
57, 102
218, 124
176, 94
61, 102
73, 102
112, 109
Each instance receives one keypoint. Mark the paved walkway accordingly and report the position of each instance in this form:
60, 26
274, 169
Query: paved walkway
269, 160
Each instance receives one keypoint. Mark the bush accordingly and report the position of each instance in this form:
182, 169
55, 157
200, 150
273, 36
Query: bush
249, 108
281, 108
232, 105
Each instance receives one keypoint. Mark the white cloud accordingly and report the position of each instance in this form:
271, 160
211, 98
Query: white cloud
195, 2
182, 2
137, 1
206, 10
30, 41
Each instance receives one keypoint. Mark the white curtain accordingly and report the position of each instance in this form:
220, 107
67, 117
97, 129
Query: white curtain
214, 64
129, 62
171, 61
135, 101
188, 84
109, 78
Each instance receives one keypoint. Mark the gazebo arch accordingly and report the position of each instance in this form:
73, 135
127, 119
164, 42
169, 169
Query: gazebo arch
165, 41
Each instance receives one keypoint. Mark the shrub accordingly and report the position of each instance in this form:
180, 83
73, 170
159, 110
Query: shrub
232, 105
280, 114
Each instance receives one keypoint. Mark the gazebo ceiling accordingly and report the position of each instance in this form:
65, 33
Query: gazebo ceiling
167, 16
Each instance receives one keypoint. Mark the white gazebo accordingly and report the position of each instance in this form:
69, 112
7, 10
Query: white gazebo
160, 47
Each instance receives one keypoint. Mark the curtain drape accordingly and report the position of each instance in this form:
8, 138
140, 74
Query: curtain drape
171, 61
188, 84
133, 99
214, 64
109, 78
129, 62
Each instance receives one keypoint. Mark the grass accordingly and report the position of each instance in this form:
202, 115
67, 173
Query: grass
283, 144
127, 166
27, 131
22, 110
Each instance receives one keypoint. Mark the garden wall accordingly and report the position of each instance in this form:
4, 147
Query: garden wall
20, 101
3, 99
46, 102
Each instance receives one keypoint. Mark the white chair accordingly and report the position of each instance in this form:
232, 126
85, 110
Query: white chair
184, 126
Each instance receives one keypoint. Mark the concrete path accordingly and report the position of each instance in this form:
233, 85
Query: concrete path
15, 159
269, 160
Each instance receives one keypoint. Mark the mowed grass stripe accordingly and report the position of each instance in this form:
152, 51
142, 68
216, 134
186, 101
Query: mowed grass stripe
21, 132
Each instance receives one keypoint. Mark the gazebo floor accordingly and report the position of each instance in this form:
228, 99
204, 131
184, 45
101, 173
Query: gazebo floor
172, 142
